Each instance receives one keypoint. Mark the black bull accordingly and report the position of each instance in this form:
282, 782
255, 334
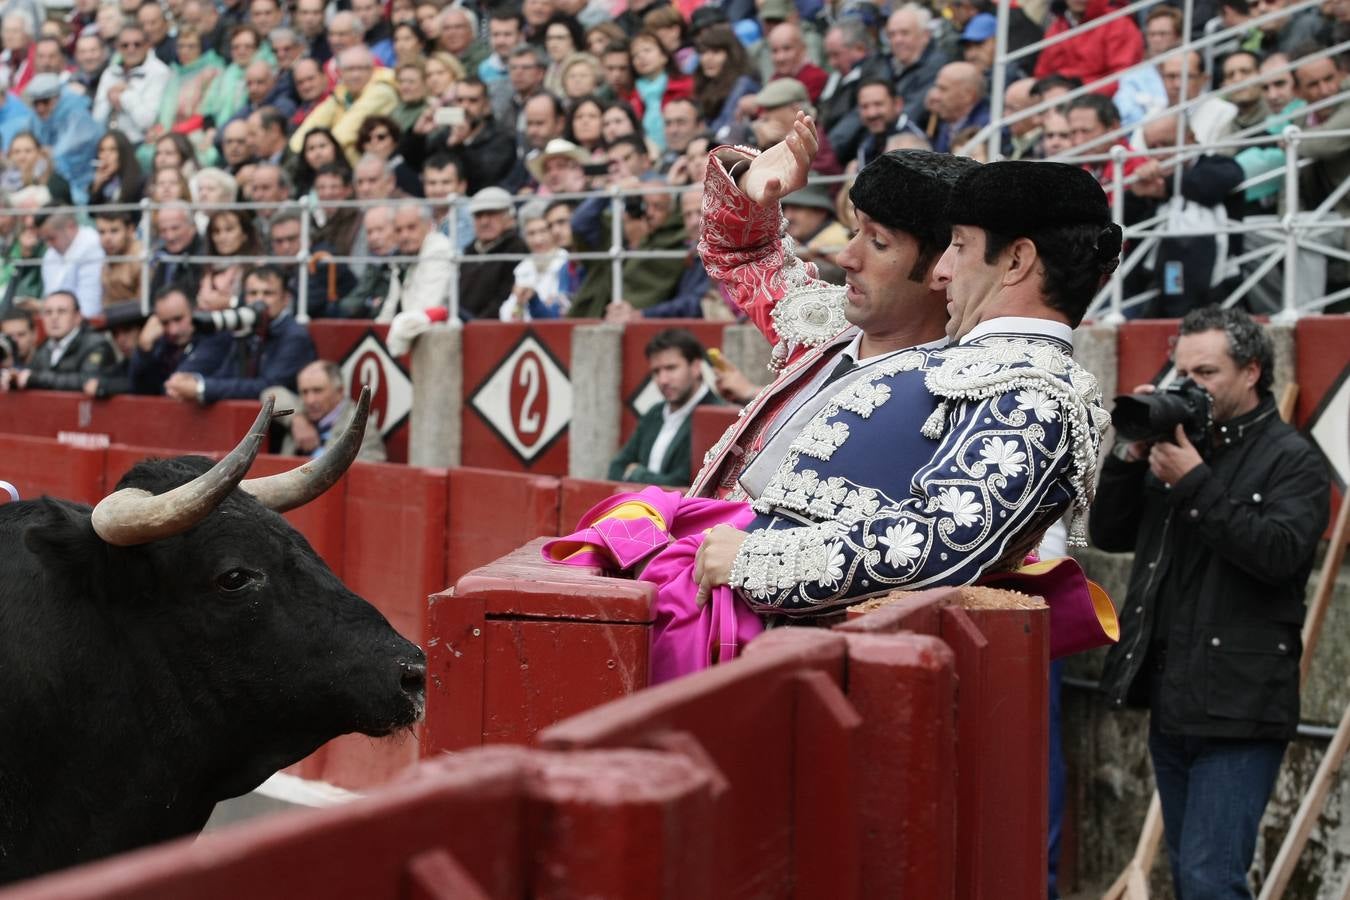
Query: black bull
155, 659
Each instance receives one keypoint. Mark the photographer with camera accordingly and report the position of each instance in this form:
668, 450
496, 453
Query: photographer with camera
1223, 504
269, 347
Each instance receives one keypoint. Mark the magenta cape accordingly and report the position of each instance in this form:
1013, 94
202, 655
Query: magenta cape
667, 529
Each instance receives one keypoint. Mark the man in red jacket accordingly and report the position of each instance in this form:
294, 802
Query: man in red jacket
1096, 54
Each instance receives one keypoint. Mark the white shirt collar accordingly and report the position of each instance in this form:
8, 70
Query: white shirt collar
1024, 326
855, 347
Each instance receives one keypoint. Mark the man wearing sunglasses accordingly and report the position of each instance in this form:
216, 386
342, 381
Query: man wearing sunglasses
130, 90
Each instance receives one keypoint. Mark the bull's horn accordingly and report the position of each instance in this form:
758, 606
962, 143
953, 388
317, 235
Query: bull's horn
133, 516
303, 483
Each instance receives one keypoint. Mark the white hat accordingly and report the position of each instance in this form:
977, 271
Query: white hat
555, 148
490, 199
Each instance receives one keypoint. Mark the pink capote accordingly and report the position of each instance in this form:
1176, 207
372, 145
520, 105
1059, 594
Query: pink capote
686, 638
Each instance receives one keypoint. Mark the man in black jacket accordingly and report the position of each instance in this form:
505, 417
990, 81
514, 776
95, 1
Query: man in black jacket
1224, 537
72, 354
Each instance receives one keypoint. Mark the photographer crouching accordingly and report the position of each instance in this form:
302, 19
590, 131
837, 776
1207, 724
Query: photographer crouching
1223, 504
270, 347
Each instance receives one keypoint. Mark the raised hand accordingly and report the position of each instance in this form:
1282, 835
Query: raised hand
783, 168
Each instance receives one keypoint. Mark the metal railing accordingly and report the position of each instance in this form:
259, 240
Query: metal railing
616, 254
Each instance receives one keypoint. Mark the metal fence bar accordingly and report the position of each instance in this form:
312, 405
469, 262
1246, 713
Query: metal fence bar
1291, 200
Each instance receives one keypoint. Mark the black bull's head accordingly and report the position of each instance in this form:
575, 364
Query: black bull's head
174, 647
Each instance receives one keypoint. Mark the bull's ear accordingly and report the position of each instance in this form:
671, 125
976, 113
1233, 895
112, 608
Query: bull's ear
62, 536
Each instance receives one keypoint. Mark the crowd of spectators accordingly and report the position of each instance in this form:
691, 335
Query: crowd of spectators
194, 104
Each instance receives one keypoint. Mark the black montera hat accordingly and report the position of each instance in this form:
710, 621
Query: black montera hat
909, 190
1016, 198
1019, 198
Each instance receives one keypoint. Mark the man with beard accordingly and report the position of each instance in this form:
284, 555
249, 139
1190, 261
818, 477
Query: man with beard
658, 451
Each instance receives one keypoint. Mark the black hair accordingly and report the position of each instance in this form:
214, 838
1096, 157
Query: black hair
176, 287
1247, 341
1050, 82
1105, 110
636, 141
126, 218
17, 314
877, 82
506, 12
332, 168
675, 339
573, 27
441, 160
1077, 259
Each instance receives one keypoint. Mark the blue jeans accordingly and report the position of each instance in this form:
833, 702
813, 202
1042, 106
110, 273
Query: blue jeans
1213, 792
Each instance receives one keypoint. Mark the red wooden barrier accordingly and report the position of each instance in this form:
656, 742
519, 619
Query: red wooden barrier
1323, 411
493, 513
143, 421
1143, 351
577, 495
636, 375
517, 396
358, 349
120, 458
1002, 662
38, 466
395, 540
501, 822
520, 644
779, 731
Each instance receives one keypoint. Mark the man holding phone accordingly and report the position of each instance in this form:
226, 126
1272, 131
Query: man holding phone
466, 129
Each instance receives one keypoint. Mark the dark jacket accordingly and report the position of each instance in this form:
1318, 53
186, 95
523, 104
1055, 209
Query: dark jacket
169, 270
204, 354
646, 282
675, 466
1221, 564
261, 361
89, 355
484, 160
484, 286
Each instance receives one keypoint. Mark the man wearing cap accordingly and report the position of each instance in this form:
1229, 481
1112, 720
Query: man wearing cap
811, 223
557, 168
66, 128
484, 286
896, 462
977, 48
779, 103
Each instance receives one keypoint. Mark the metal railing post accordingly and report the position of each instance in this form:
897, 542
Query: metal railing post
1117, 314
616, 244
452, 298
302, 257
145, 230
1289, 314
998, 87
1187, 20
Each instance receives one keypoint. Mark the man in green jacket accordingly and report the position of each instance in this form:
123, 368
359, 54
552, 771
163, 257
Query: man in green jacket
658, 452
650, 222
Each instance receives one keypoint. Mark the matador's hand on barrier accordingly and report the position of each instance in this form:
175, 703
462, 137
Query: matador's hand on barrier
783, 168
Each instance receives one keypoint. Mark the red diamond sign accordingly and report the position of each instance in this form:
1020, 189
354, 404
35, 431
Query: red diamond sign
527, 400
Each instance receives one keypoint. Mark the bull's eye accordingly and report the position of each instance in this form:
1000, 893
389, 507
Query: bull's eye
234, 580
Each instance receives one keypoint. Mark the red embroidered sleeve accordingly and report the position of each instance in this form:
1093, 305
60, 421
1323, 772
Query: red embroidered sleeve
742, 246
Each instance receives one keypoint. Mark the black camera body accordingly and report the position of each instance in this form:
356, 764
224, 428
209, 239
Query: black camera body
1155, 417
240, 321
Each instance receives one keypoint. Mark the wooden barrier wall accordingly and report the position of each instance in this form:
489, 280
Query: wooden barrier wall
821, 765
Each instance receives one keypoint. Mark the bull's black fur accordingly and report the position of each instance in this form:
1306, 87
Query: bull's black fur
137, 689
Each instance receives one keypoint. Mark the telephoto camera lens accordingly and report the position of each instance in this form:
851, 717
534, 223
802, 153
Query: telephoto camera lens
239, 321
1155, 417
